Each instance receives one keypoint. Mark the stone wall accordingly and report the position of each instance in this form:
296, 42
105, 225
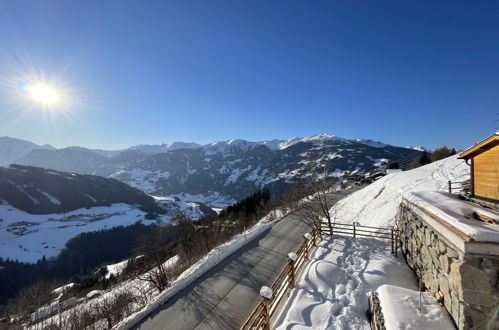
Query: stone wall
375, 313
466, 281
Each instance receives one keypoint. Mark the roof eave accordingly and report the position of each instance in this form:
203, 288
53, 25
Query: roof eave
478, 148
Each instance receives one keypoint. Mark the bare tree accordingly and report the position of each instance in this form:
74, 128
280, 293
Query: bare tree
188, 243
151, 252
316, 202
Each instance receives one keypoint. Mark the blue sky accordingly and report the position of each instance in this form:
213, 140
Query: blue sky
406, 73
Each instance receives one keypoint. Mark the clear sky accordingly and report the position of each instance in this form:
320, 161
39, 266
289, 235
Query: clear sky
130, 72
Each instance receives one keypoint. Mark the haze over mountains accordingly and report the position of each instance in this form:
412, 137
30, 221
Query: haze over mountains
216, 173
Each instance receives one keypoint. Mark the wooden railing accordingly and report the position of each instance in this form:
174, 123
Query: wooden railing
357, 230
459, 185
266, 307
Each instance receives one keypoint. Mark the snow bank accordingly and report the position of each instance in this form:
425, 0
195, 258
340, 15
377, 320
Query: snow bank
458, 213
400, 310
377, 204
213, 258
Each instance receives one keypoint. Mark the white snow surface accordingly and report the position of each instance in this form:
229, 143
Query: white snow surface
210, 198
332, 290
458, 213
377, 204
400, 308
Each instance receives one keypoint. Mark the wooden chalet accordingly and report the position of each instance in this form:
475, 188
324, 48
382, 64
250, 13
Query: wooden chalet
483, 158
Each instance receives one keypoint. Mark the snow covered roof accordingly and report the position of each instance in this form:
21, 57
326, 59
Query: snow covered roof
481, 146
458, 214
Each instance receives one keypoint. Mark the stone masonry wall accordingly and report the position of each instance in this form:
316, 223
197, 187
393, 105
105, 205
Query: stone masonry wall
468, 283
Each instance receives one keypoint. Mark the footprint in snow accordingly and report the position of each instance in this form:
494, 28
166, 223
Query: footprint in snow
336, 309
340, 289
344, 300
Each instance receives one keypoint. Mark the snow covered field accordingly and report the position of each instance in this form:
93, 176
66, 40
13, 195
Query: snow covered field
332, 291
28, 237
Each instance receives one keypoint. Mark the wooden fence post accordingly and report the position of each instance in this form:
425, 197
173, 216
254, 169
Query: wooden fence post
391, 236
266, 309
266, 294
396, 242
292, 257
308, 238
354, 229
450, 187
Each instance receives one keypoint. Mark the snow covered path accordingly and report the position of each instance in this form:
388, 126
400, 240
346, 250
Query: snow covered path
332, 290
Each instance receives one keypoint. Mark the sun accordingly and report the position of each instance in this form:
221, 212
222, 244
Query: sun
44, 94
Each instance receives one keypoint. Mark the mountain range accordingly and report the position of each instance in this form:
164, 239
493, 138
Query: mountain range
217, 173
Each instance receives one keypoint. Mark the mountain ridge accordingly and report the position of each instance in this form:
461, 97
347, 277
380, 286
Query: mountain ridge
224, 170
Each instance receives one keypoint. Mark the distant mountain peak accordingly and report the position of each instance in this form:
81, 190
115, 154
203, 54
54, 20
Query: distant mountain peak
12, 149
371, 143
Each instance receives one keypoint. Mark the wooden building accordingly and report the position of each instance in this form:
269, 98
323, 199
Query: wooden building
484, 160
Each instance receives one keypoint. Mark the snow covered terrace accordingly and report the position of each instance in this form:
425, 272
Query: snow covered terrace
459, 216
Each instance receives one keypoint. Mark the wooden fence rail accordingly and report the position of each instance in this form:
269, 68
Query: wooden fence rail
357, 230
266, 308
459, 185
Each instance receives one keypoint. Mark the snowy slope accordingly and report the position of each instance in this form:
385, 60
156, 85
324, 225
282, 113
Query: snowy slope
377, 204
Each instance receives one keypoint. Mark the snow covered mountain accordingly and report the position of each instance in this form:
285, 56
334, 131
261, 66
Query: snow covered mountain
152, 149
225, 171
236, 168
12, 149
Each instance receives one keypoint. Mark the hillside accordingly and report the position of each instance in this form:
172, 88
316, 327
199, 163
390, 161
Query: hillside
40, 191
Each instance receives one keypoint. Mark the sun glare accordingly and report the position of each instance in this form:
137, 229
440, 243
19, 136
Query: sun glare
44, 94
